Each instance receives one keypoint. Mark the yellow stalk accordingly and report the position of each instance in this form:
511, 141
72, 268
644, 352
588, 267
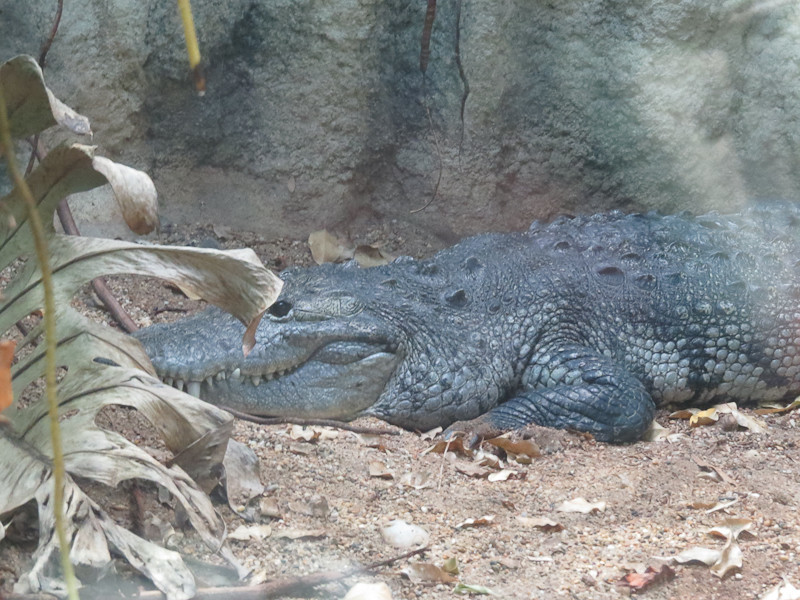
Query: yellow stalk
192, 48
40, 243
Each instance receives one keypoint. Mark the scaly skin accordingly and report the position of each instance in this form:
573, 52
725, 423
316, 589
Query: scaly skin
584, 323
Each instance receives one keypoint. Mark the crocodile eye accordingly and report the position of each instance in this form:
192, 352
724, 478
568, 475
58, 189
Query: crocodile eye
280, 309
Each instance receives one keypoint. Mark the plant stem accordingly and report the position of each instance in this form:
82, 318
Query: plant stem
40, 243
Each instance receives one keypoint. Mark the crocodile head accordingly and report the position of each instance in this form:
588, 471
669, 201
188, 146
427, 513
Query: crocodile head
318, 353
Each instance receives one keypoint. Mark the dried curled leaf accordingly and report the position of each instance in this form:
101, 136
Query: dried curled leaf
32, 107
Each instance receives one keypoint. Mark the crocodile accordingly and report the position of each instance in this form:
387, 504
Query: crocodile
586, 323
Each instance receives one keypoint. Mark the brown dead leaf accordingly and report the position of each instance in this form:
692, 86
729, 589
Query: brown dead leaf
542, 523
417, 480
487, 459
454, 445
768, 409
524, 448
379, 469
581, 505
505, 475
472, 470
704, 417
371, 256
371, 441
245, 533
709, 471
6, 358
684, 413
479, 522
326, 247
427, 573
641, 581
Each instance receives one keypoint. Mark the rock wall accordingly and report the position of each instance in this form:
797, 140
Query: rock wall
318, 115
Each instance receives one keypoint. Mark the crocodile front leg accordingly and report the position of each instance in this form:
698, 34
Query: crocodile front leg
576, 388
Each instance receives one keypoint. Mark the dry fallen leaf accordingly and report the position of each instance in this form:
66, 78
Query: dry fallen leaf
472, 470
400, 534
380, 470
542, 523
244, 533
524, 448
581, 505
479, 522
721, 561
641, 581
417, 480
684, 413
656, 433
768, 409
709, 471
704, 417
454, 445
371, 441
505, 474
371, 256
427, 573
706, 556
326, 248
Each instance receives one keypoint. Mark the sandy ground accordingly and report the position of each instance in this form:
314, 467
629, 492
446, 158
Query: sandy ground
327, 499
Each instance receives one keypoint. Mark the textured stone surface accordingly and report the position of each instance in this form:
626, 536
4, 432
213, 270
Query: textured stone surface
316, 111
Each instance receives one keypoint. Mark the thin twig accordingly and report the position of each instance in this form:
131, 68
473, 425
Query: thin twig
425, 42
461, 72
310, 423
51, 37
441, 164
98, 284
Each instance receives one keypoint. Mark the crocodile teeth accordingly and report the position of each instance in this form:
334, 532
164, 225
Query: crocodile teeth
193, 388
237, 373
179, 384
168, 381
220, 376
256, 380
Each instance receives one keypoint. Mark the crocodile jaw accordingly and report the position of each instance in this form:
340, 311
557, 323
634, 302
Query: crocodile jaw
312, 389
